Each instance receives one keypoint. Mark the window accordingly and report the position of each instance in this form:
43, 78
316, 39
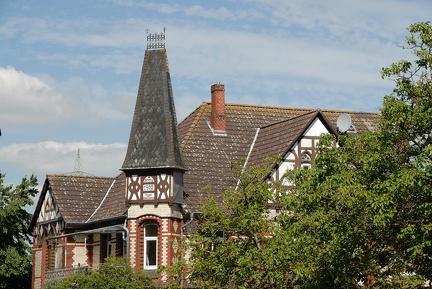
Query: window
212, 243
306, 161
305, 166
150, 246
108, 245
306, 157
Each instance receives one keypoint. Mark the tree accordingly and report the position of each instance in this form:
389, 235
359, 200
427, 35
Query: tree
363, 213
407, 124
360, 217
233, 245
15, 251
114, 273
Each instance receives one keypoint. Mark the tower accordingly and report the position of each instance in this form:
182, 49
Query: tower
153, 167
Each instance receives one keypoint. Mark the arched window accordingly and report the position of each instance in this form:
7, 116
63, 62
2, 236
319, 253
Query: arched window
150, 246
306, 157
305, 161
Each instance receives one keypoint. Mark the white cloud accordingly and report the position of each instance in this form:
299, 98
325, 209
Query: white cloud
51, 157
30, 100
306, 53
92, 103
26, 99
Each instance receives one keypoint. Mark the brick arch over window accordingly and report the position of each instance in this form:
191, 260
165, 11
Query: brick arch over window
142, 223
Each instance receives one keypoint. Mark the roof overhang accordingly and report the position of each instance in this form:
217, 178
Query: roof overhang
103, 230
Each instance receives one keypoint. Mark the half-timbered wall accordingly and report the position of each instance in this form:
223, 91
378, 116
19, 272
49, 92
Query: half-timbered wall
152, 188
303, 152
49, 210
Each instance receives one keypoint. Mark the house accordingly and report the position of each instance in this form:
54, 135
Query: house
141, 212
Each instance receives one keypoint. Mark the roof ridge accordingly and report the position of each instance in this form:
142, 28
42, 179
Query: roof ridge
297, 108
79, 176
291, 118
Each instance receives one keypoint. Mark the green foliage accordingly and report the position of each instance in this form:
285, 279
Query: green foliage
360, 217
407, 126
115, 273
15, 251
363, 213
233, 246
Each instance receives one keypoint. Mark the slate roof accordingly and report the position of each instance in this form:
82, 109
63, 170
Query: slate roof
153, 139
157, 142
86, 200
208, 157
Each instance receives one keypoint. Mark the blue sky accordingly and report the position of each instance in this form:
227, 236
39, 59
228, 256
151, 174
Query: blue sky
69, 70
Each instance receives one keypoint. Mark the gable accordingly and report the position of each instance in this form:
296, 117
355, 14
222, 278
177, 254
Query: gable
316, 128
304, 150
276, 139
209, 158
49, 210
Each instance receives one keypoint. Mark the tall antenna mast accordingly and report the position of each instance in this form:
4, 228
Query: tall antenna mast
77, 169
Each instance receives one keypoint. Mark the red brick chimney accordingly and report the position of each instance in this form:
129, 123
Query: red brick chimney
217, 118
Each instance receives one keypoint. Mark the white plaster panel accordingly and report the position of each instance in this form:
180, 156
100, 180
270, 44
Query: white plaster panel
284, 167
316, 128
306, 142
289, 155
166, 191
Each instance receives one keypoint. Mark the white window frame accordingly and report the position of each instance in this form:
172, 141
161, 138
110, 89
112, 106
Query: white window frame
150, 239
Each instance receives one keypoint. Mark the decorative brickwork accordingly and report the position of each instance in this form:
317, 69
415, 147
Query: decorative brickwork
164, 252
133, 243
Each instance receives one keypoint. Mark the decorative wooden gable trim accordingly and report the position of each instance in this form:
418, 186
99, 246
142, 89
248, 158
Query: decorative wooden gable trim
305, 149
154, 188
49, 209
49, 221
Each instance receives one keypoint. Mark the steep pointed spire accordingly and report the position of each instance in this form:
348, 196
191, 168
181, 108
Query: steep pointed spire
153, 141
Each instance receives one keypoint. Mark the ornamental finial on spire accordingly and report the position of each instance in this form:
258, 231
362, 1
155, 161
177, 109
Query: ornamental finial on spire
156, 40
